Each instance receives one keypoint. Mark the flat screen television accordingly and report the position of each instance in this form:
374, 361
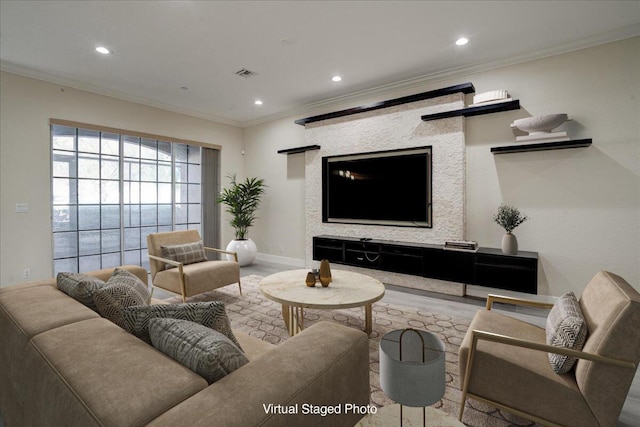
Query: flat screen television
378, 188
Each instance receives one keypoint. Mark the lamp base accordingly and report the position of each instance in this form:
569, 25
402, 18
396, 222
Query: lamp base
411, 417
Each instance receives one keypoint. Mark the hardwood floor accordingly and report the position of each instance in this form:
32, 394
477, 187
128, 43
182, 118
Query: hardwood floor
466, 307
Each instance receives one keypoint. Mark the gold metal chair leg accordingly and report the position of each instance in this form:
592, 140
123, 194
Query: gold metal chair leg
464, 399
467, 377
240, 287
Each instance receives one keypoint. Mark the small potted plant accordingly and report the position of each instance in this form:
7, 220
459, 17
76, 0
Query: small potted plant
509, 218
242, 200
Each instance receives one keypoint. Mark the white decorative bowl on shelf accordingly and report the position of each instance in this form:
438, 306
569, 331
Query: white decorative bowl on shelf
540, 124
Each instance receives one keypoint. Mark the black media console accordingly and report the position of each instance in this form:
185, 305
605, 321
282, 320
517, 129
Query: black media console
486, 267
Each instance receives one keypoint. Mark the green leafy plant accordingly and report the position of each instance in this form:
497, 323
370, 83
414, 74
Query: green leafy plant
509, 217
242, 200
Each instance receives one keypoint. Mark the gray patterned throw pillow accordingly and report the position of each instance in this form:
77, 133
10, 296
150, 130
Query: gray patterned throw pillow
123, 289
208, 353
80, 287
211, 314
187, 253
566, 327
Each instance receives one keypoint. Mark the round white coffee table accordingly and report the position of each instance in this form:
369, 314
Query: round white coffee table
347, 289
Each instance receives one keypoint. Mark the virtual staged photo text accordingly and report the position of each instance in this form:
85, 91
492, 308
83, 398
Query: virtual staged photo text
322, 410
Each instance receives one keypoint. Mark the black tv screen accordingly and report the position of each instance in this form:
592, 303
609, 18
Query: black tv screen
378, 188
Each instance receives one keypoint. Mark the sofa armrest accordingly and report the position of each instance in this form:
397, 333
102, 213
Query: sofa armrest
324, 367
168, 261
106, 273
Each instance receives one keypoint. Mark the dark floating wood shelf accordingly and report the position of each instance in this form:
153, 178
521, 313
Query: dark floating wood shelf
465, 88
475, 111
297, 150
541, 146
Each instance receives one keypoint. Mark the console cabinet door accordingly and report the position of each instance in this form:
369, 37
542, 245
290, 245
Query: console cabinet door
453, 266
402, 259
507, 272
329, 249
362, 254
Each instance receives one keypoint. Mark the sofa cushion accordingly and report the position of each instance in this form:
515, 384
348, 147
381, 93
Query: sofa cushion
95, 367
208, 353
35, 309
186, 253
199, 277
123, 289
211, 314
80, 287
566, 327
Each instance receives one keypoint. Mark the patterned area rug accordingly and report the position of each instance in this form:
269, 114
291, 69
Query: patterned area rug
255, 315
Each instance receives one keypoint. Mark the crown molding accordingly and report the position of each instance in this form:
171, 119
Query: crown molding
12, 68
343, 100
419, 82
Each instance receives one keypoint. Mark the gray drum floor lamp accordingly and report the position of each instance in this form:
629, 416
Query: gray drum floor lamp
412, 368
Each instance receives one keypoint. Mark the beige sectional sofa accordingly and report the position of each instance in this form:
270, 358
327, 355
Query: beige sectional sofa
62, 364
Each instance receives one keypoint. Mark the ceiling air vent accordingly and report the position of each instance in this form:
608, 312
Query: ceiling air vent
245, 73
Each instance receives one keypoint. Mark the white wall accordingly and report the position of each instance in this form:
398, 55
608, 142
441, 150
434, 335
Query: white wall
583, 204
26, 105
279, 229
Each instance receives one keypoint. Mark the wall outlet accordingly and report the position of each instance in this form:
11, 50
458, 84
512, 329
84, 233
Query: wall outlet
26, 273
22, 207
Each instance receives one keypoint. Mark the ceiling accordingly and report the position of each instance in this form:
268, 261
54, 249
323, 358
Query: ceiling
183, 55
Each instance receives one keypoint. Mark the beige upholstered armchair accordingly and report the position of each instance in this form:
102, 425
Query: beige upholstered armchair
505, 362
179, 264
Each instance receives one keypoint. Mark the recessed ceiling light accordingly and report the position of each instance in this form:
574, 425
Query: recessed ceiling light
257, 102
336, 78
103, 50
462, 41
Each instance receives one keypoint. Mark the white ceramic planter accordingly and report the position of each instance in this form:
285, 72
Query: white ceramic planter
246, 250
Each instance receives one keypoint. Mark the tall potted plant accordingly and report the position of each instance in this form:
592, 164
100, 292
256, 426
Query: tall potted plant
509, 218
242, 200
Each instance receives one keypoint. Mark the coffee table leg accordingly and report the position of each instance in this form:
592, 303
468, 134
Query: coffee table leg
368, 319
290, 319
293, 318
300, 319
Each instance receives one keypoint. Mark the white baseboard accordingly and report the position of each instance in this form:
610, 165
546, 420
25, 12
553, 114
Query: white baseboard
294, 262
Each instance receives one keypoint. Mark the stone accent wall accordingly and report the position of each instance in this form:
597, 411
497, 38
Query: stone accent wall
390, 129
